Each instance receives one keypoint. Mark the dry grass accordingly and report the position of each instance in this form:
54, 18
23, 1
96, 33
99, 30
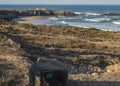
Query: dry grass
15, 70
91, 51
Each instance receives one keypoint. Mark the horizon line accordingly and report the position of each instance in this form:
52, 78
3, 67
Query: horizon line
59, 4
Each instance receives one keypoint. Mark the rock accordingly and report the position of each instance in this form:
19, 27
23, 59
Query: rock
111, 14
94, 74
10, 14
58, 12
45, 12
69, 13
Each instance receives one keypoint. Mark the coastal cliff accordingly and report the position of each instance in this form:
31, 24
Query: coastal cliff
37, 12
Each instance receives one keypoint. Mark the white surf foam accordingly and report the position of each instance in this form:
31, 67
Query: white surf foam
64, 22
98, 19
116, 22
69, 18
78, 13
61, 16
53, 18
92, 14
76, 24
87, 13
61, 23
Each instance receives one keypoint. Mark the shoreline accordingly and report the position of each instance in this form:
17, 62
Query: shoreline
29, 20
28, 16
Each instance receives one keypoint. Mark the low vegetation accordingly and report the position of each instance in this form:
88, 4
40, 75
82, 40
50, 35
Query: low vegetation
92, 52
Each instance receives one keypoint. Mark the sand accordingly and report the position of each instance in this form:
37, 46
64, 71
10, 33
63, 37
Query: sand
28, 19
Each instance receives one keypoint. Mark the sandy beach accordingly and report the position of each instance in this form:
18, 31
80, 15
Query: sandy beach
28, 19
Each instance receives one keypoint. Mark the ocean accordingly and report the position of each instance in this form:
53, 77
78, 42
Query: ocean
89, 15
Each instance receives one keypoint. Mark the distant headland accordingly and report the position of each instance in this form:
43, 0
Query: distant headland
14, 13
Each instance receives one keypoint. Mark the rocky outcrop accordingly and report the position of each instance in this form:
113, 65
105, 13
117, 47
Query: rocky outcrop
3, 19
111, 14
16, 13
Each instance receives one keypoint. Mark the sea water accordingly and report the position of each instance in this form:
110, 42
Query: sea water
88, 15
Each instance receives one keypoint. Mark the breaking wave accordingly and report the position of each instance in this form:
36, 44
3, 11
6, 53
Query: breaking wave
61, 23
116, 22
87, 13
64, 22
92, 14
66, 17
76, 24
53, 18
98, 19
78, 13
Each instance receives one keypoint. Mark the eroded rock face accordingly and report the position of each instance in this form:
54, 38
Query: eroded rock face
16, 13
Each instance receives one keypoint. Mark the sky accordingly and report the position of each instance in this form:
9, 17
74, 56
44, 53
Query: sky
108, 2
